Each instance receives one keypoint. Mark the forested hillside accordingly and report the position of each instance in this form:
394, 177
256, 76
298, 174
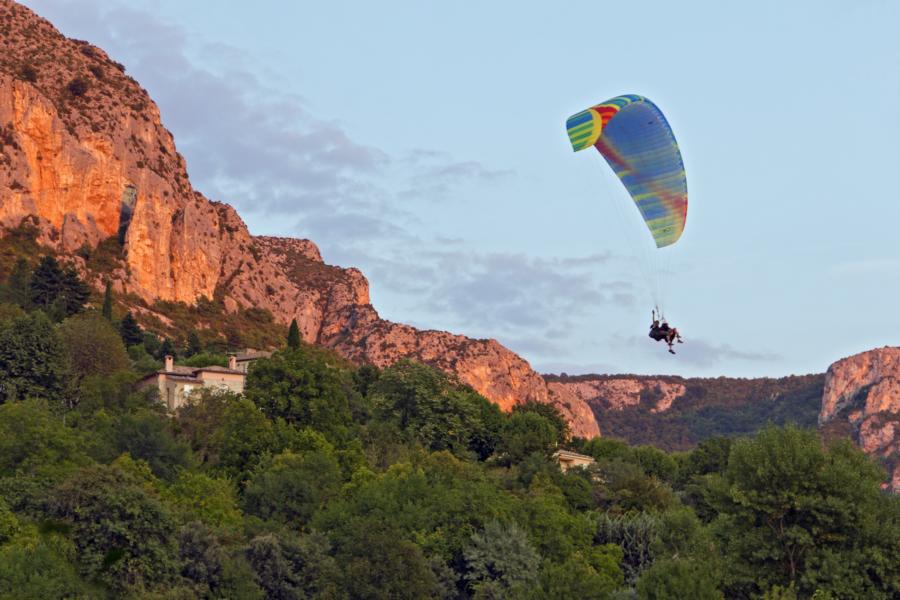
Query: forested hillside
328, 480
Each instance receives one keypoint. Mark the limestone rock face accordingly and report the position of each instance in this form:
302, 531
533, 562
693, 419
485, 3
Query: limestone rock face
862, 393
83, 150
619, 392
585, 398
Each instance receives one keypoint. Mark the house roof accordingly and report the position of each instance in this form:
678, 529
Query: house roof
569, 455
177, 377
251, 354
218, 369
183, 373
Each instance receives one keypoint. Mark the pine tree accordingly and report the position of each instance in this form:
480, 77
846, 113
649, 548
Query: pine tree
293, 338
46, 283
107, 301
75, 292
130, 331
60, 292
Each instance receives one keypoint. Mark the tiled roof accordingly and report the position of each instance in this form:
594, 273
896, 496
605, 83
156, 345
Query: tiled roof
218, 369
177, 376
179, 370
251, 354
191, 373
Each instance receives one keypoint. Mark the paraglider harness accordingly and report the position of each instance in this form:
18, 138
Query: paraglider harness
660, 330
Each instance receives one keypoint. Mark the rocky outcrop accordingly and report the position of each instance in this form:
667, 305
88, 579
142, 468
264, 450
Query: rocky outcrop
617, 393
83, 150
586, 397
862, 398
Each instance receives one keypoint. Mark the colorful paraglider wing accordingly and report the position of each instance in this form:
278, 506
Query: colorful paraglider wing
635, 139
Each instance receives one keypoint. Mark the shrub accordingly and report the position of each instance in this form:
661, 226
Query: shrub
78, 86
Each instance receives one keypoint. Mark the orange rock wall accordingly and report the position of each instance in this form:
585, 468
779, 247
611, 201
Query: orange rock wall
864, 392
71, 159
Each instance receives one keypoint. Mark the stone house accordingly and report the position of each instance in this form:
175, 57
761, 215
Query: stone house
570, 460
175, 383
247, 356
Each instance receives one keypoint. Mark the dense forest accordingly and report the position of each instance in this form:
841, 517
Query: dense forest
328, 480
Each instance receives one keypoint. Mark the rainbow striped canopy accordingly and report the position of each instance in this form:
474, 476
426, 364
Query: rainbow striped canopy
635, 139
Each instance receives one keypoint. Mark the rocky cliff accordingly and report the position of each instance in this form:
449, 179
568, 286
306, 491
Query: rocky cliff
619, 393
862, 399
83, 151
676, 413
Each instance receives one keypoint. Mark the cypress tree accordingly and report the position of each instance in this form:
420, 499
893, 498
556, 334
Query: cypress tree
293, 338
107, 301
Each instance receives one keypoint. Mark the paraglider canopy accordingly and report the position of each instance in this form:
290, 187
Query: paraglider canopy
635, 139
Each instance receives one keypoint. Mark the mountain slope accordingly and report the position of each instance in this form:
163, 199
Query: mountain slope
83, 152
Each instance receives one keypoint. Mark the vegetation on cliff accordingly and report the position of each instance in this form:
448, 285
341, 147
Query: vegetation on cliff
33, 276
708, 407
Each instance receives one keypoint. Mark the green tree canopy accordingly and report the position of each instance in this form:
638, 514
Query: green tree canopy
526, 433
500, 558
131, 332
148, 436
552, 414
32, 440
296, 566
32, 359
305, 386
199, 497
435, 409
792, 512
674, 579
93, 346
240, 440
124, 536
59, 291
292, 487
439, 501
34, 567
593, 573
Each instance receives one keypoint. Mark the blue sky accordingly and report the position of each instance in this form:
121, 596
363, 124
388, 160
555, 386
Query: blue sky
424, 143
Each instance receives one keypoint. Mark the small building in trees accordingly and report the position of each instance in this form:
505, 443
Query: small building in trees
176, 383
570, 460
247, 356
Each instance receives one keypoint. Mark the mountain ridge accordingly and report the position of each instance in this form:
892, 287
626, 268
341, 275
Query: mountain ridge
88, 170
85, 154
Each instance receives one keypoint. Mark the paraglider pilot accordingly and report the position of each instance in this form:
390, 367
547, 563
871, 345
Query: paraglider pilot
660, 331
